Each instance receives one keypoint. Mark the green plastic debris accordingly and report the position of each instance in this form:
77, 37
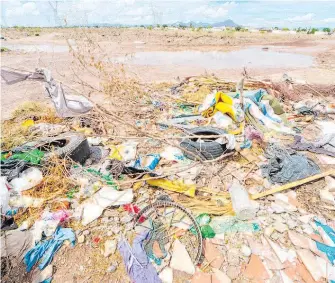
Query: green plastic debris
203, 219
33, 156
206, 230
107, 177
231, 224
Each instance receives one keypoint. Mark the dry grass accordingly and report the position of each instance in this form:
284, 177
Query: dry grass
12, 131
53, 190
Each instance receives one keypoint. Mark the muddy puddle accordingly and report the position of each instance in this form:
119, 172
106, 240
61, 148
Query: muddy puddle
251, 57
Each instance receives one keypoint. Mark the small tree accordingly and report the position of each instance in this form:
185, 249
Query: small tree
326, 29
238, 28
164, 26
285, 29
312, 30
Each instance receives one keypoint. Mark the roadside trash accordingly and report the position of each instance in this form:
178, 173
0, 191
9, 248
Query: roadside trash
48, 129
172, 154
252, 134
125, 152
136, 261
242, 205
110, 247
325, 145
141, 174
231, 224
93, 207
27, 179
66, 105
286, 165
15, 244
180, 259
205, 148
43, 276
147, 162
72, 145
45, 250
28, 123
174, 186
206, 230
292, 185
4, 195
222, 121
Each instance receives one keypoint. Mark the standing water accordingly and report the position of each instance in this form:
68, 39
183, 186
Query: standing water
251, 57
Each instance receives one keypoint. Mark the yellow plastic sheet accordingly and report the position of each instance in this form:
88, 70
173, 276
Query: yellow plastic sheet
224, 104
174, 186
115, 152
28, 123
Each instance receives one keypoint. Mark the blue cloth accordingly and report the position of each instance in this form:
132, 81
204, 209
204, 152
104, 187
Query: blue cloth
138, 266
329, 231
329, 251
47, 280
46, 250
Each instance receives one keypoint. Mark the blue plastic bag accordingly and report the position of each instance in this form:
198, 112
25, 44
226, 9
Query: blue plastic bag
46, 250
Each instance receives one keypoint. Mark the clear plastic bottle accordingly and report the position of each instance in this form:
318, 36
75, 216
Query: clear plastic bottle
242, 205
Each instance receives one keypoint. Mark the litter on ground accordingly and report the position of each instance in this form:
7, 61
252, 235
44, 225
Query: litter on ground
215, 181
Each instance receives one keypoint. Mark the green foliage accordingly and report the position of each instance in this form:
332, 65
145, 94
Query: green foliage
199, 28
312, 30
150, 27
4, 49
164, 26
326, 29
238, 28
285, 29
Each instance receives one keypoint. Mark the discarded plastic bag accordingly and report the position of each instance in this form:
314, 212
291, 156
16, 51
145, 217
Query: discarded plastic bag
4, 195
222, 120
147, 162
172, 153
46, 250
92, 208
174, 186
27, 179
125, 152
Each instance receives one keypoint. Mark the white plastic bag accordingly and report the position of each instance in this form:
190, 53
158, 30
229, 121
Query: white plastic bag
27, 179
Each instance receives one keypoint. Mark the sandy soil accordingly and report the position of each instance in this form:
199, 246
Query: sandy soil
120, 42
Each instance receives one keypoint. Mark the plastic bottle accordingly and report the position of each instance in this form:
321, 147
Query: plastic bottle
242, 206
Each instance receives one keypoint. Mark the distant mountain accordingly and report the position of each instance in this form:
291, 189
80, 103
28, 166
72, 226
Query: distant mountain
227, 23
196, 24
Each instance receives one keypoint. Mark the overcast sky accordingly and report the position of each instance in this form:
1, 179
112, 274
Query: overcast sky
266, 13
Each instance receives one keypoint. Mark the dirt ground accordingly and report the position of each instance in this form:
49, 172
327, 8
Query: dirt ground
121, 42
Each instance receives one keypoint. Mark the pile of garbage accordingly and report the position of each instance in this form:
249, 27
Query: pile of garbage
224, 182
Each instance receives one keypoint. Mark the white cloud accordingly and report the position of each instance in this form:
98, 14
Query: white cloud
305, 18
211, 12
329, 20
21, 10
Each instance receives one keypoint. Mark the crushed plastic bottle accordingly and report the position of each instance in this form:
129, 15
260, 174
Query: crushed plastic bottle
242, 205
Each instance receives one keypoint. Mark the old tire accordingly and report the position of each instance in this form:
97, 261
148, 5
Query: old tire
73, 145
208, 149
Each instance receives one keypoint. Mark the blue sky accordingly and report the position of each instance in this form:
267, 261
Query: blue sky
266, 13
